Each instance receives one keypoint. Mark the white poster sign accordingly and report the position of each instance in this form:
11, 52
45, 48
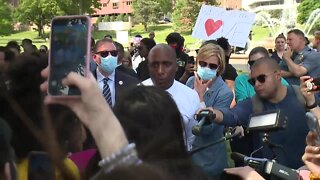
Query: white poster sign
214, 22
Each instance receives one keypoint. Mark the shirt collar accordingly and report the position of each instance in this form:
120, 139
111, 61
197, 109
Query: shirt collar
100, 76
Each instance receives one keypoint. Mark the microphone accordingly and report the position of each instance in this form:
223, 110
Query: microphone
196, 129
204, 116
266, 167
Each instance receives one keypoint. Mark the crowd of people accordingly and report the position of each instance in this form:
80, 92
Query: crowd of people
138, 108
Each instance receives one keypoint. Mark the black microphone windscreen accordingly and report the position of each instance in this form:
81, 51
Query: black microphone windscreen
238, 157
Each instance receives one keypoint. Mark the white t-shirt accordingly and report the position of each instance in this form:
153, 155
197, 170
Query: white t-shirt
188, 102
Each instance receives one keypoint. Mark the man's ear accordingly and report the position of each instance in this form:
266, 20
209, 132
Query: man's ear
95, 58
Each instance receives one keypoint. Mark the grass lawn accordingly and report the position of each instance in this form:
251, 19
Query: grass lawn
161, 31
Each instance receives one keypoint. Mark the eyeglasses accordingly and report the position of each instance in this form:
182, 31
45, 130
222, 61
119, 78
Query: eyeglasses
251, 63
261, 78
106, 53
211, 66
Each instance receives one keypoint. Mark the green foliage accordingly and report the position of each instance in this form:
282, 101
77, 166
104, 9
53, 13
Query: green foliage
106, 18
165, 6
5, 18
185, 15
72, 7
119, 17
100, 19
111, 18
146, 12
38, 12
126, 18
276, 13
305, 8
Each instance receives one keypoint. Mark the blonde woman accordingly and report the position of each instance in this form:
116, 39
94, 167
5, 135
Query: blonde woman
213, 92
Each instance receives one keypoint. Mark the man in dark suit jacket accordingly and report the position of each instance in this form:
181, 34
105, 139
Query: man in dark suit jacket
105, 55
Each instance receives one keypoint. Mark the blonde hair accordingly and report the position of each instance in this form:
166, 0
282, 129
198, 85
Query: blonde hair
127, 55
209, 50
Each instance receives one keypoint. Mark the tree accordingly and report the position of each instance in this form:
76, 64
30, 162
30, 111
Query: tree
146, 12
165, 6
106, 18
305, 8
72, 7
304, 11
5, 18
186, 13
38, 12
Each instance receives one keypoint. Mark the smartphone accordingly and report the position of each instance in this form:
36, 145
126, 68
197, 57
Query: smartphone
69, 52
40, 166
315, 82
313, 125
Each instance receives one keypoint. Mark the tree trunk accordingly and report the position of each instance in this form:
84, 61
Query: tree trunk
145, 26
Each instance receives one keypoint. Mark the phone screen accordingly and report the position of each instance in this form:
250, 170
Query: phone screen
40, 167
69, 51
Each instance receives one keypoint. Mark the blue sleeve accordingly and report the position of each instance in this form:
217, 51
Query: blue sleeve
224, 99
190, 82
239, 115
311, 61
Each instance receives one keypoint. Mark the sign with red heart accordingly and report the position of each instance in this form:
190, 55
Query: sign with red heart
215, 22
211, 26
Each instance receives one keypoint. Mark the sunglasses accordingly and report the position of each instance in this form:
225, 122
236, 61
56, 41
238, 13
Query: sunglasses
261, 78
211, 66
251, 63
106, 53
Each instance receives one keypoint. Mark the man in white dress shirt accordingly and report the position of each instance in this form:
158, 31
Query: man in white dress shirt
162, 68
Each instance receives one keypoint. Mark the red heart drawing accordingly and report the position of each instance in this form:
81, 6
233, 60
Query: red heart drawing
211, 26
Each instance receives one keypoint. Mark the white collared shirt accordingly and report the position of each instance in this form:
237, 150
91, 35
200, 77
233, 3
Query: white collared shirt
111, 83
188, 103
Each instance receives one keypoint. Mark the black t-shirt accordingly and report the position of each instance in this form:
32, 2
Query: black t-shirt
276, 57
128, 71
230, 73
143, 71
182, 60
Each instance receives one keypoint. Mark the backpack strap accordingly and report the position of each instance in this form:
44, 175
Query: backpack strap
257, 105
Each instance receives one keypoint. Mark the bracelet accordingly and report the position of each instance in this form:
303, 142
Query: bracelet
313, 177
312, 105
126, 156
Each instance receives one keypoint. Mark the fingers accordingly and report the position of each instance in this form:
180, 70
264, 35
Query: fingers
45, 72
234, 171
310, 139
83, 83
44, 86
304, 78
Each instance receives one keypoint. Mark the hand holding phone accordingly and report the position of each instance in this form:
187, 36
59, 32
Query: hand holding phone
69, 52
314, 85
314, 126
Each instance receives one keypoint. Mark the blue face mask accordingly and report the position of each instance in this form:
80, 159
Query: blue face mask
206, 73
108, 64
